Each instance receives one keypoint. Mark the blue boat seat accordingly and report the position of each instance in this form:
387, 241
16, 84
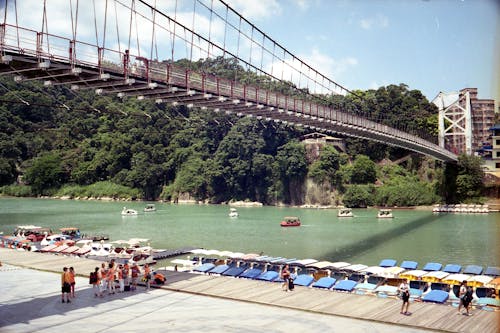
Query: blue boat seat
204, 268
388, 263
492, 271
432, 266
303, 280
345, 285
324, 283
251, 273
473, 269
219, 269
436, 296
452, 268
409, 265
268, 276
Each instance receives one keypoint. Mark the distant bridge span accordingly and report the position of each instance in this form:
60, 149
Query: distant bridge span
27, 54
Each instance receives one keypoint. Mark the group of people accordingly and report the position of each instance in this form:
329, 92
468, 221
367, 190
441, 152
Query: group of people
464, 296
104, 278
67, 284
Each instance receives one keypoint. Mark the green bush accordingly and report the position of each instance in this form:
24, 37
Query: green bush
17, 190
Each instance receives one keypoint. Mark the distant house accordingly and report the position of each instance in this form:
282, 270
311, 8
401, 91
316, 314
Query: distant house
315, 141
492, 153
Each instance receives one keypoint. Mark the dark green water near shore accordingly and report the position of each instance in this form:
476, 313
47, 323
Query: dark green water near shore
412, 235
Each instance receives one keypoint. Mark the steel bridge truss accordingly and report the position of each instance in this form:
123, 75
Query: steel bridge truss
24, 54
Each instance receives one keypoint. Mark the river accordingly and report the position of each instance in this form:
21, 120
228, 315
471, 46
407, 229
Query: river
412, 234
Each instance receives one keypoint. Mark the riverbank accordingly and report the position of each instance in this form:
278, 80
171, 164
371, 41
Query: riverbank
234, 305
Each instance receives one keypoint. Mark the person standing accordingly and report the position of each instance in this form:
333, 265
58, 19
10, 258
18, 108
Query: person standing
461, 294
147, 276
72, 282
103, 272
111, 278
95, 281
404, 289
285, 275
135, 271
126, 273
65, 286
120, 278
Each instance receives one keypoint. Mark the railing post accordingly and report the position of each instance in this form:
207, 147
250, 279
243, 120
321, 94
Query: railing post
39, 40
72, 55
2, 36
126, 59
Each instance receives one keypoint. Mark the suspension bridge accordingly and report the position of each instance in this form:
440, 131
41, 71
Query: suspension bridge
146, 50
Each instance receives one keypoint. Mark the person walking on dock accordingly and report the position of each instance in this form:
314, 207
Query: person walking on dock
461, 294
285, 275
65, 286
95, 281
111, 278
404, 289
103, 272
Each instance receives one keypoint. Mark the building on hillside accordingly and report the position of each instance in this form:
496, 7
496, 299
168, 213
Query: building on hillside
492, 155
464, 120
314, 142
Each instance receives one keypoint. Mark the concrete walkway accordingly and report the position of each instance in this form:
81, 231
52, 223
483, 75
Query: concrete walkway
30, 302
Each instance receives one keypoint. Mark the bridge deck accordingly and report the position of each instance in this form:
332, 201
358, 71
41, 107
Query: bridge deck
386, 310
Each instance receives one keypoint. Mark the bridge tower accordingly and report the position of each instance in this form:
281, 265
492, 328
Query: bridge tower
455, 121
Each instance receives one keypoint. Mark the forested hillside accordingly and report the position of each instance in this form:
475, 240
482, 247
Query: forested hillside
54, 141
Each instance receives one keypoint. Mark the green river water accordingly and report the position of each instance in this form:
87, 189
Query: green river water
412, 235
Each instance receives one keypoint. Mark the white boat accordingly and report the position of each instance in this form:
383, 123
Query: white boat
150, 208
385, 214
128, 212
233, 212
345, 212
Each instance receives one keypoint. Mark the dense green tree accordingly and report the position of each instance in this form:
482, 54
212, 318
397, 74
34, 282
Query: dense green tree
469, 181
326, 168
358, 196
291, 164
363, 170
45, 173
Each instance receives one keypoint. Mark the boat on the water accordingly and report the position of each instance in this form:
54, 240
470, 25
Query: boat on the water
233, 212
128, 212
345, 212
385, 214
290, 221
150, 208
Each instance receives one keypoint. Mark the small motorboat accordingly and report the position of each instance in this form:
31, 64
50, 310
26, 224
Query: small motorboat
150, 208
345, 212
290, 221
233, 212
385, 214
128, 212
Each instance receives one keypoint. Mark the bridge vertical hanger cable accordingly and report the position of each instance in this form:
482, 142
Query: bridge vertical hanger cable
17, 24
225, 33
95, 26
173, 30
237, 52
210, 29
45, 26
105, 26
5, 12
136, 30
153, 37
117, 30
192, 34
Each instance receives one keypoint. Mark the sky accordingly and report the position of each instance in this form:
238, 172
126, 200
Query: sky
429, 45
432, 46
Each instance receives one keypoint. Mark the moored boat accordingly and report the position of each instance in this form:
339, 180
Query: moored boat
290, 221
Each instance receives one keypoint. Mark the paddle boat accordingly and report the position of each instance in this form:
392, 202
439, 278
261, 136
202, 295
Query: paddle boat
290, 221
385, 214
233, 212
128, 212
150, 208
32, 232
345, 212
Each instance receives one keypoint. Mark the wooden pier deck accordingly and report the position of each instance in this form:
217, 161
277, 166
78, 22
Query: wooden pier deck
385, 310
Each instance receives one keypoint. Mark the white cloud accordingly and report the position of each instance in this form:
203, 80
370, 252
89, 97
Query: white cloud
379, 21
256, 9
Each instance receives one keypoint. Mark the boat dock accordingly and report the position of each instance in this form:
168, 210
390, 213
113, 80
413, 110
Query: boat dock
382, 310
